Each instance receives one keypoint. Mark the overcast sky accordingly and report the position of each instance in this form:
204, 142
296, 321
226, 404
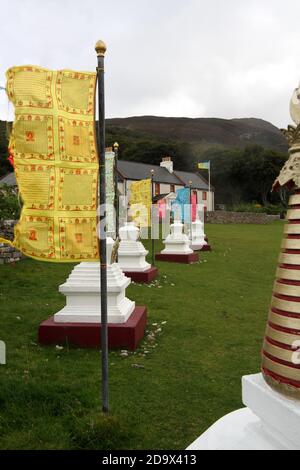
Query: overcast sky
194, 58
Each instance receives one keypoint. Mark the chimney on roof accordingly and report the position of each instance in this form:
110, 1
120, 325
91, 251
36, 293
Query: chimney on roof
167, 163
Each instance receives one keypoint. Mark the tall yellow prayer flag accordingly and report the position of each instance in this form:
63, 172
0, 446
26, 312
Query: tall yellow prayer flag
54, 146
140, 202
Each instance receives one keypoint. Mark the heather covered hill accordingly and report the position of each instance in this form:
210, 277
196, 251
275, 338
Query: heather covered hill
228, 133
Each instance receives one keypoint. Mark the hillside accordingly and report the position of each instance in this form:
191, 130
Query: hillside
201, 132
236, 148
206, 132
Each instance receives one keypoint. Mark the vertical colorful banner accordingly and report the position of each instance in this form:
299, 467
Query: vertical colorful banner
110, 192
56, 164
140, 202
194, 206
180, 206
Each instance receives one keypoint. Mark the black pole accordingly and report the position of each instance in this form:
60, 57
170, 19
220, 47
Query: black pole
101, 49
117, 207
152, 218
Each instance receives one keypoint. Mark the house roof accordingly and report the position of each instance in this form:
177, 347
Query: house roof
141, 171
138, 171
197, 181
8, 179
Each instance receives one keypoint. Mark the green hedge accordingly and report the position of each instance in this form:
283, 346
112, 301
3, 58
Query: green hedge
270, 209
9, 204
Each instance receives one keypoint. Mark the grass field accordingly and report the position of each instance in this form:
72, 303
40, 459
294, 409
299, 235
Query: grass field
215, 314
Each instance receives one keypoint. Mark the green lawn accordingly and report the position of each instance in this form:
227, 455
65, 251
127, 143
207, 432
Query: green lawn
215, 314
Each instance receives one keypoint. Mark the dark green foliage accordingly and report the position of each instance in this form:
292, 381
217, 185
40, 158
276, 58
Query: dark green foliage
245, 175
9, 204
5, 166
255, 172
143, 148
222, 164
270, 209
238, 174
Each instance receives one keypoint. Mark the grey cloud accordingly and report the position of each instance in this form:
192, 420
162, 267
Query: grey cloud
233, 58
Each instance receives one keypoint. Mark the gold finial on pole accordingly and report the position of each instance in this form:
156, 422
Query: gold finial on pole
100, 48
116, 146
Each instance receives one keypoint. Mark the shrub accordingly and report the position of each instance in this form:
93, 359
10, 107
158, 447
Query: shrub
270, 209
9, 204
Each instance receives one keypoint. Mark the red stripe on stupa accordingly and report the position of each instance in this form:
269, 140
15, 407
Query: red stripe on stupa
280, 378
282, 329
283, 313
281, 361
290, 266
288, 282
289, 298
278, 344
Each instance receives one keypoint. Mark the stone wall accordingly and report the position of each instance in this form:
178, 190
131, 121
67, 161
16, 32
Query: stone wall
224, 217
8, 254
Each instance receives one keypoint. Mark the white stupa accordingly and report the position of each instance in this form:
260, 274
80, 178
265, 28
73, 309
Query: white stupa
82, 291
132, 253
177, 242
197, 237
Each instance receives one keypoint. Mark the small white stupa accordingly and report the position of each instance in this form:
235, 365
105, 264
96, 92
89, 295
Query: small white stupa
82, 291
198, 241
177, 242
132, 253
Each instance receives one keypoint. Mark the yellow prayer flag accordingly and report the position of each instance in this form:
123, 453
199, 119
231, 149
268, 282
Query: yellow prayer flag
140, 202
56, 163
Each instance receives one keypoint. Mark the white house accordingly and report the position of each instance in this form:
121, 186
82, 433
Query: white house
166, 180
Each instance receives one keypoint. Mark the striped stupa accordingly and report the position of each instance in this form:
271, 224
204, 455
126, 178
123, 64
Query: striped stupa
281, 349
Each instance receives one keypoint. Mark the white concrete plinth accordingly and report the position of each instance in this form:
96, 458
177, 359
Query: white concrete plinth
177, 243
132, 253
270, 422
82, 291
197, 235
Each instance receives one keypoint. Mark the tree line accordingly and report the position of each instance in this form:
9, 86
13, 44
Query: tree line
246, 175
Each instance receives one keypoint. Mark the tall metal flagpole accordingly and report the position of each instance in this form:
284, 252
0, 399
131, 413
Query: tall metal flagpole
101, 49
152, 218
117, 208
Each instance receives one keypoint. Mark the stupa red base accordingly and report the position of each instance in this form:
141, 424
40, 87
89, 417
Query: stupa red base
201, 248
88, 335
185, 259
144, 276
206, 248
